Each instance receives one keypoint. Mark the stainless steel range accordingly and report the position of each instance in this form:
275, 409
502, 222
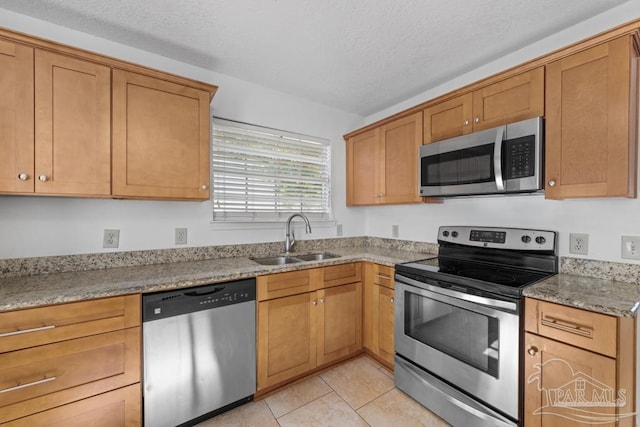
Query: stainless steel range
457, 322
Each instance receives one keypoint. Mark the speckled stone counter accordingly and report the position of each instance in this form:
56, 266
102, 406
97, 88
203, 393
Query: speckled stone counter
42, 289
601, 295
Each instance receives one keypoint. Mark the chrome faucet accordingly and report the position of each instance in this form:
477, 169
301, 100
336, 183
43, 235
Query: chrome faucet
289, 237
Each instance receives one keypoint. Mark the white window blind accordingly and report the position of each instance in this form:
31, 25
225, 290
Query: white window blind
262, 174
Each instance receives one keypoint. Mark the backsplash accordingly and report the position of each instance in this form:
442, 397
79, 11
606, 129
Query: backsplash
18, 267
622, 272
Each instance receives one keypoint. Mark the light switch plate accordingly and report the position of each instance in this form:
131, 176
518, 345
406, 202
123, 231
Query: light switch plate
631, 247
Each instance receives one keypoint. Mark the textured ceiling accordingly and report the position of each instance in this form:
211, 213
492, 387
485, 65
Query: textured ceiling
360, 56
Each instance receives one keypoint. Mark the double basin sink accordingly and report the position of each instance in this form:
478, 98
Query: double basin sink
292, 259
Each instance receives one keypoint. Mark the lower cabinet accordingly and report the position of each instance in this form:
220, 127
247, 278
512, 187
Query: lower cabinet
71, 363
579, 367
379, 312
298, 333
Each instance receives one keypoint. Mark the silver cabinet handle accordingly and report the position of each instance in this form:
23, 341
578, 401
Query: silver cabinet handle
321, 300
314, 302
552, 183
477, 120
23, 176
31, 384
532, 350
204, 186
466, 122
391, 299
43, 178
26, 331
383, 276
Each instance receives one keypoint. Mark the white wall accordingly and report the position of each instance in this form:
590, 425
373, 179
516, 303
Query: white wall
40, 226
605, 220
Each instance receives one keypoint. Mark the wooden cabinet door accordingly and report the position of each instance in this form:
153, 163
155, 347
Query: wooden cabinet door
557, 374
72, 126
117, 408
517, 98
339, 330
383, 310
448, 119
286, 338
16, 118
160, 138
363, 169
591, 141
400, 142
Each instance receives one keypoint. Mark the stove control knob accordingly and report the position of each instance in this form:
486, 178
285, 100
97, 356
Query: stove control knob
445, 233
526, 239
454, 234
540, 240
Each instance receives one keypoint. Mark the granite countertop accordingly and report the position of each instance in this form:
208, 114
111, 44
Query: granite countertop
31, 291
606, 296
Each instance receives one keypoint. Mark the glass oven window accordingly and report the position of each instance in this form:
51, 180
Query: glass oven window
470, 337
466, 166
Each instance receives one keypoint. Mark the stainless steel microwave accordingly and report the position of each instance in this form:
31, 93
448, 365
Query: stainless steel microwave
506, 159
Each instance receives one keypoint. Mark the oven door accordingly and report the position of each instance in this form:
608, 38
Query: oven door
469, 341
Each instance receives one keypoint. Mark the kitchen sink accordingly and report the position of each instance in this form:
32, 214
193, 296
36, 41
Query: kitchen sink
317, 257
276, 260
291, 259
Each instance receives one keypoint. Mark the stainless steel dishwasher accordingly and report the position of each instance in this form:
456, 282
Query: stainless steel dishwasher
199, 352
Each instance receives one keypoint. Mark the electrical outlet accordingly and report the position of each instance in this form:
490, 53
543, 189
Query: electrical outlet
631, 247
339, 230
579, 244
111, 238
395, 230
181, 236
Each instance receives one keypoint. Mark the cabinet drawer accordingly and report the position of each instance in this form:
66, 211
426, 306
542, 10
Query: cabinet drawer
44, 377
383, 276
284, 284
118, 408
44, 325
581, 328
342, 274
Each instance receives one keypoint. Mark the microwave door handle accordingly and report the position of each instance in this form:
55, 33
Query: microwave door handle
497, 159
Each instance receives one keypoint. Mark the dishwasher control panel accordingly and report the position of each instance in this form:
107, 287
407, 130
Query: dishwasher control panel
165, 304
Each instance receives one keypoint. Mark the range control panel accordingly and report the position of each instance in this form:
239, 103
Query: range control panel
500, 238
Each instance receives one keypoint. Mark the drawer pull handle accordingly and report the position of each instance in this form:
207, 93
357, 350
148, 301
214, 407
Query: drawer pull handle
563, 325
31, 384
26, 331
383, 276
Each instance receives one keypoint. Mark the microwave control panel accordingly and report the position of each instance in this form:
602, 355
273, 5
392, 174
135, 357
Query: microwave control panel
519, 157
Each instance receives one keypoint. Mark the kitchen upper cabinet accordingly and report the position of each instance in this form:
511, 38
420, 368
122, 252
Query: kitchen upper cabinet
16, 118
517, 98
577, 361
591, 135
55, 121
160, 138
72, 126
382, 164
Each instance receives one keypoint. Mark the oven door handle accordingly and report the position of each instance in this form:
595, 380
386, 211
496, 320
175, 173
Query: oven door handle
497, 159
488, 302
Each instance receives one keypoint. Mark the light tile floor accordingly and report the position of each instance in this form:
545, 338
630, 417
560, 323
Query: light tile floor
359, 392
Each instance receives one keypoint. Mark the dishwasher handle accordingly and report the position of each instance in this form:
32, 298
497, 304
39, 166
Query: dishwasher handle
200, 294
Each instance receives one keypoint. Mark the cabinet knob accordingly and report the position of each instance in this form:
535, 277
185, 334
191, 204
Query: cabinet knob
466, 122
391, 299
23, 176
552, 183
314, 302
43, 178
532, 350
381, 195
477, 120
204, 186
321, 300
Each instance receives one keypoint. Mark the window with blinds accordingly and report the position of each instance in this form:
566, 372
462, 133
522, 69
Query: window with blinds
262, 174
